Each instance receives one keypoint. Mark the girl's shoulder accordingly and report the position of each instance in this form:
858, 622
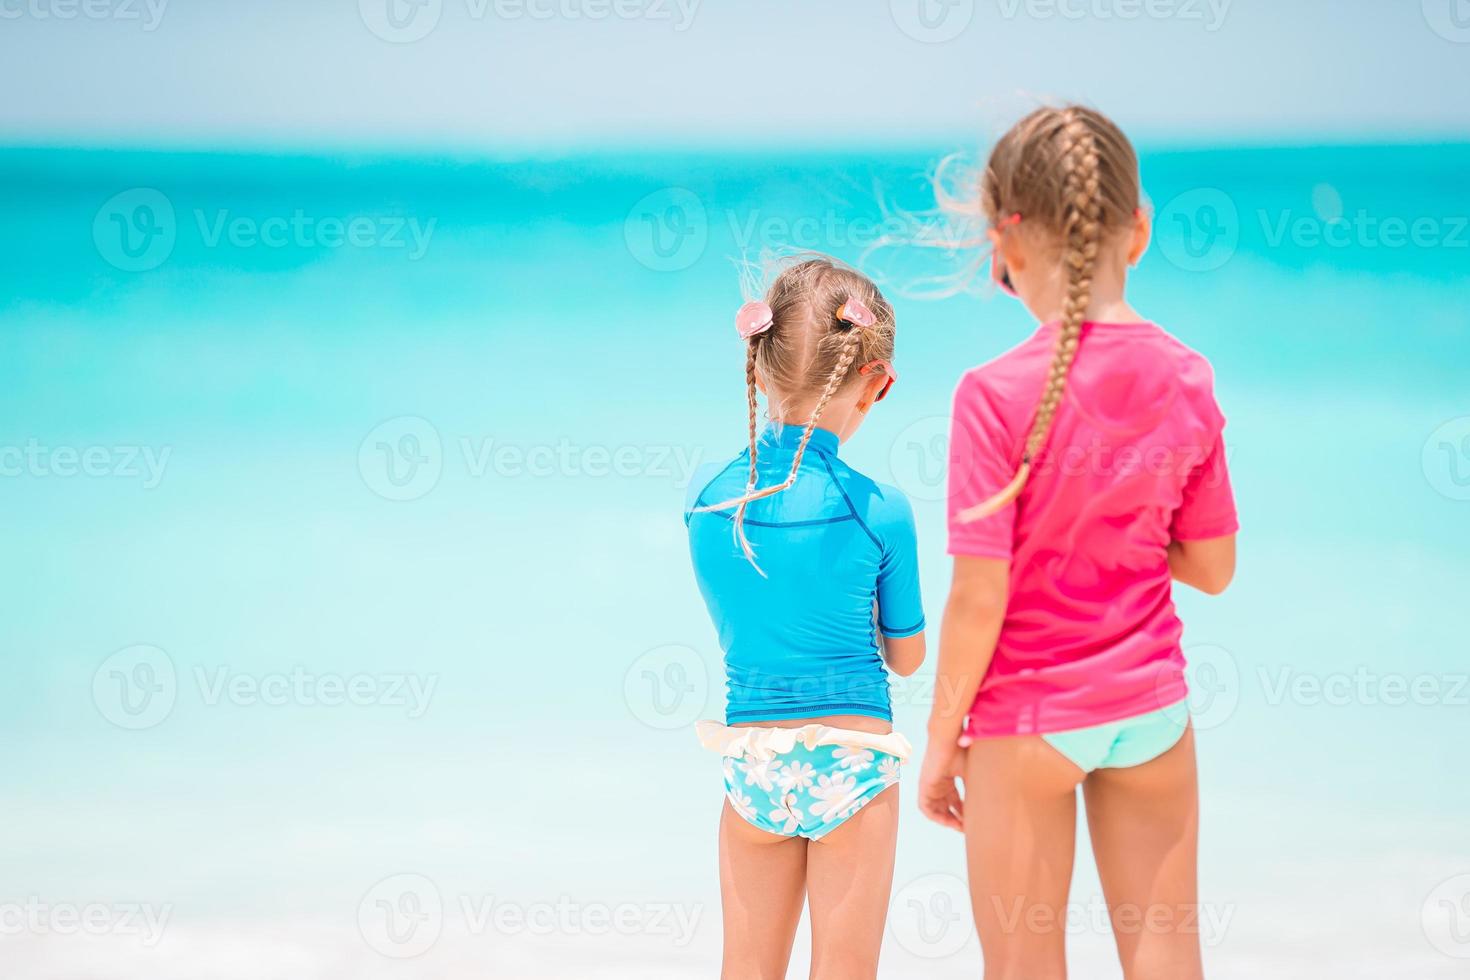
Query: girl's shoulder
1194, 375
1181, 351
703, 483
884, 508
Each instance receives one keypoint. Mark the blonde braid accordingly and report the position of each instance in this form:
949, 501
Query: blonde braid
1082, 224
750, 400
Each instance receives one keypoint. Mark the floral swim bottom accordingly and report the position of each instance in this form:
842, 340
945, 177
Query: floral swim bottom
803, 782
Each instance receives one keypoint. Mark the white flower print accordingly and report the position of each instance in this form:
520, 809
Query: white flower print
728, 765
787, 811
797, 775
888, 770
835, 796
853, 759
741, 804
760, 772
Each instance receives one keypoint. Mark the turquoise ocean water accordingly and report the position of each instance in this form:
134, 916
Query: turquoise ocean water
348, 623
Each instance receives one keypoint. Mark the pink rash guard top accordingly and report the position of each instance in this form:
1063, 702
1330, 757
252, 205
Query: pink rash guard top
1134, 460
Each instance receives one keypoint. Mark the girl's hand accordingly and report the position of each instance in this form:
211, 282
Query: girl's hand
939, 794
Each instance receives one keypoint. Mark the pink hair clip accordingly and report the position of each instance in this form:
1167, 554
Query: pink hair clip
1014, 219
855, 314
754, 317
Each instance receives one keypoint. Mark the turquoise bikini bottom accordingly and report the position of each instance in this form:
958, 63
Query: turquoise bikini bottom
803, 782
1127, 742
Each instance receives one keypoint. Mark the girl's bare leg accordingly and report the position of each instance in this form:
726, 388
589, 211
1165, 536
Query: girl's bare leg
1144, 822
762, 884
849, 878
1020, 836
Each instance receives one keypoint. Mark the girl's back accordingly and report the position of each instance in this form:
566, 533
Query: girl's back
1134, 461
802, 635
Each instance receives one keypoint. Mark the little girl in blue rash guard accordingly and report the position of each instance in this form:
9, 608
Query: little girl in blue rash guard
809, 570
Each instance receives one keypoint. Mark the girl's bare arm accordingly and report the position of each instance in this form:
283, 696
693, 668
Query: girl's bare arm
1207, 564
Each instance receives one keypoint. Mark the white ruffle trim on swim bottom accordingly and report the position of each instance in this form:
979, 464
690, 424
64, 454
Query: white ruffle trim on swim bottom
767, 743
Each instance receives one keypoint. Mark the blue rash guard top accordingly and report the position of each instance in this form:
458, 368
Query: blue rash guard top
841, 566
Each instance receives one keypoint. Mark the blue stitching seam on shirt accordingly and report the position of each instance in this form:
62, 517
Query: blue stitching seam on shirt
751, 520
848, 500
876, 633
897, 634
756, 714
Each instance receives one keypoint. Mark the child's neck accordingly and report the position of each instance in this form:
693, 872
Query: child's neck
835, 419
799, 421
1105, 305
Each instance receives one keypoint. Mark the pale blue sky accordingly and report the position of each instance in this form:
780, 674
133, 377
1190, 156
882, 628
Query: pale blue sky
513, 74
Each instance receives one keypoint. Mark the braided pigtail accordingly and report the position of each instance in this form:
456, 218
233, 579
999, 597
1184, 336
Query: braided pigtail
750, 400
1082, 226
